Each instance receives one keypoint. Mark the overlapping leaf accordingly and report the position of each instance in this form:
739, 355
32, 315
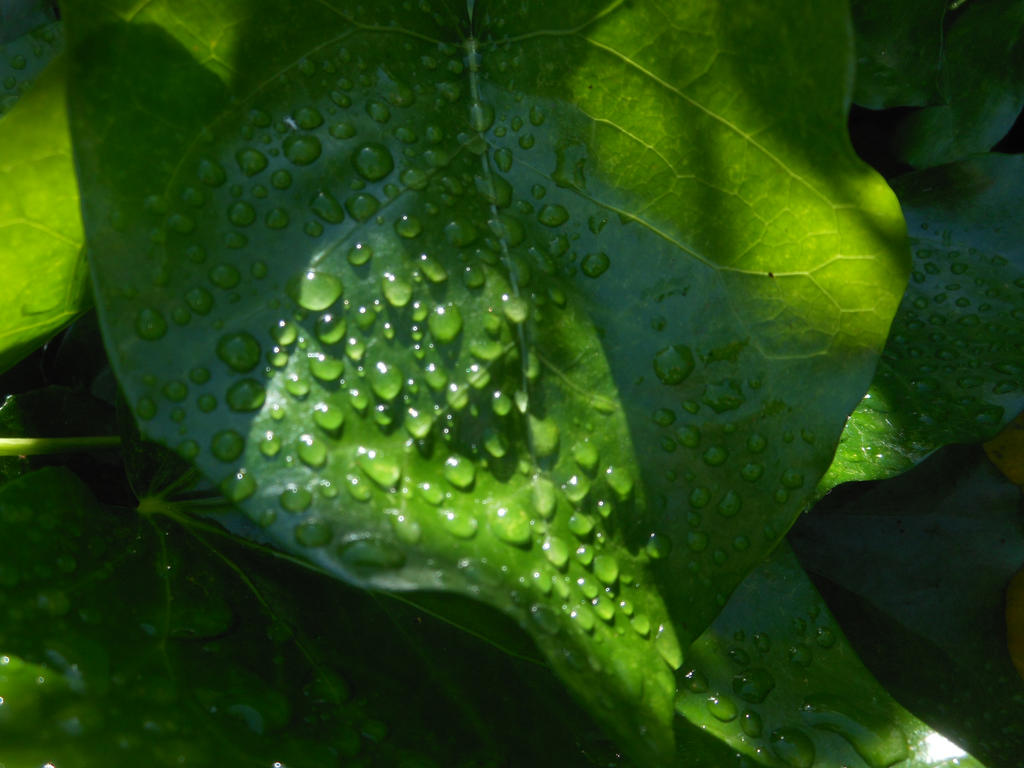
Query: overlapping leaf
918, 566
529, 306
211, 655
781, 684
45, 273
962, 62
953, 368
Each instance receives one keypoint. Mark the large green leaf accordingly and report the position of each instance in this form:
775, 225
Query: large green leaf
953, 368
899, 51
131, 640
980, 85
498, 302
45, 275
780, 683
920, 565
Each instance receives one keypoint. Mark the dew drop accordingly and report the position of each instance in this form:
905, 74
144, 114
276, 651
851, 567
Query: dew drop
673, 364
246, 395
753, 684
302, 149
373, 161
556, 551
721, 708
460, 232
384, 471
793, 747
460, 472
751, 724
397, 290
150, 324
385, 380
227, 445
408, 227
606, 568
250, 161
481, 116
595, 264
313, 533
239, 351
879, 741
311, 451
511, 525
212, 173
326, 206
314, 291
553, 215
462, 525
370, 555
294, 499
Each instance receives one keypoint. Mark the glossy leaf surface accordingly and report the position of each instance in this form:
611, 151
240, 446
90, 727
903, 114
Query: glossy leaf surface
980, 85
780, 683
918, 567
214, 654
45, 275
23, 58
418, 293
953, 368
899, 51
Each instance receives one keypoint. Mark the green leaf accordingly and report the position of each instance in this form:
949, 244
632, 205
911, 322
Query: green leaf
980, 87
919, 566
780, 683
952, 369
133, 640
899, 51
24, 58
446, 311
41, 238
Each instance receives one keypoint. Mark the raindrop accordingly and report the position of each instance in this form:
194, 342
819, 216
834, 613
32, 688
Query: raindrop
245, 395
250, 161
595, 264
302, 149
460, 472
673, 364
553, 215
753, 685
511, 525
385, 380
373, 161
384, 471
793, 747
239, 351
721, 708
326, 206
150, 324
311, 451
314, 291
227, 445
313, 533
462, 525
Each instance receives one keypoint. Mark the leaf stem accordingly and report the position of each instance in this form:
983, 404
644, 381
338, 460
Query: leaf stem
35, 446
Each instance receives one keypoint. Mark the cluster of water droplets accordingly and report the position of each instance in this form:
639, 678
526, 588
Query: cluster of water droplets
957, 340
750, 693
396, 371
